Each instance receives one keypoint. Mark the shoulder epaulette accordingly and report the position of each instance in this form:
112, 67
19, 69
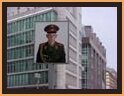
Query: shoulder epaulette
41, 45
59, 44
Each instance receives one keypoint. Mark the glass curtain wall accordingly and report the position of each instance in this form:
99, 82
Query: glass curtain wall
20, 50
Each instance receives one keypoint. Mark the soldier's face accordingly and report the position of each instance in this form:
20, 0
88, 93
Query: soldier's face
51, 36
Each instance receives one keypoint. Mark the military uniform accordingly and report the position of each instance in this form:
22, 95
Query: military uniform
47, 53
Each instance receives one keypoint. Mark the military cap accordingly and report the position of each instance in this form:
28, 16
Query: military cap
52, 28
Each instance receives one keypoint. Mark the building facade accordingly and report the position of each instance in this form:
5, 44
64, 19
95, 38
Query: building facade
21, 69
111, 79
93, 61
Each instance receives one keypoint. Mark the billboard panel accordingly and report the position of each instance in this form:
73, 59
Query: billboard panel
51, 42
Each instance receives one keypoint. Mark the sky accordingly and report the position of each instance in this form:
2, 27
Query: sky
104, 23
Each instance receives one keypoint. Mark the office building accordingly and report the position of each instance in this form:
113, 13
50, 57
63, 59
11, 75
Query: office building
93, 60
22, 72
111, 79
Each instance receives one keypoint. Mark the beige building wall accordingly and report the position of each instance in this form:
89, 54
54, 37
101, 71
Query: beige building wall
111, 79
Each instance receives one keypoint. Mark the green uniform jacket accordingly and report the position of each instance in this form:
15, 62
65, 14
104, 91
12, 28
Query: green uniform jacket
52, 54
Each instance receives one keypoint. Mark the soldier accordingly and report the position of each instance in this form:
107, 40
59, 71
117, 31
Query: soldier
51, 51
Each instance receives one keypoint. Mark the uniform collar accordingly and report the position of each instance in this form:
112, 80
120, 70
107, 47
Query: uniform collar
53, 44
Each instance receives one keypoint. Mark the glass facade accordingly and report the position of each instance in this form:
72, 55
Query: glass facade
27, 79
21, 38
24, 65
85, 61
20, 50
29, 22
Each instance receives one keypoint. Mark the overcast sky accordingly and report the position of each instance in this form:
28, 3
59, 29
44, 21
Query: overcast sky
104, 23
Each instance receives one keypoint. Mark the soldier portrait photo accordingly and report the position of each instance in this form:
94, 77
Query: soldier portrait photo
51, 51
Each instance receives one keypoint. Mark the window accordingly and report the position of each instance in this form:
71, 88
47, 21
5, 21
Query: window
32, 79
8, 41
15, 27
27, 37
24, 37
31, 36
8, 81
20, 80
27, 23
44, 17
46, 77
19, 26
84, 61
12, 41
53, 15
30, 22
22, 25
8, 54
48, 16
12, 27
37, 18
8, 28
83, 81
26, 79
8, 67
13, 80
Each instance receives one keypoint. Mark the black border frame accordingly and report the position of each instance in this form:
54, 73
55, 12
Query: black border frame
62, 4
